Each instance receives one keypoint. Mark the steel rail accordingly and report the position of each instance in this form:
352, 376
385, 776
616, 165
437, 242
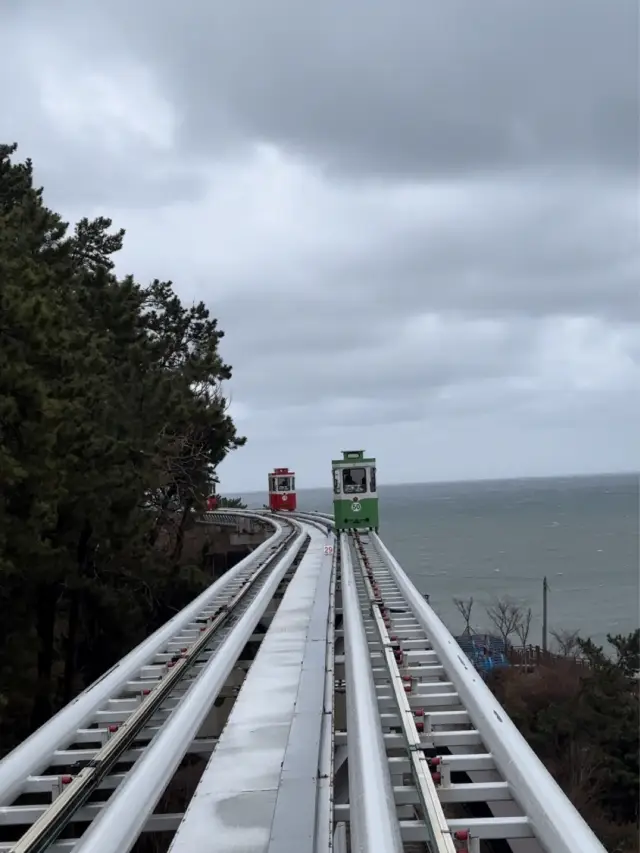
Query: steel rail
440, 839
34, 754
121, 820
270, 798
557, 824
324, 828
374, 821
324, 517
315, 519
47, 828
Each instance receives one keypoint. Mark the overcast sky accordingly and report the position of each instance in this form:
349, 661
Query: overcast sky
416, 221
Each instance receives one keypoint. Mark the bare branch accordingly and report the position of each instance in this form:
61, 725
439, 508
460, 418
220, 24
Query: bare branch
505, 616
523, 627
465, 605
567, 641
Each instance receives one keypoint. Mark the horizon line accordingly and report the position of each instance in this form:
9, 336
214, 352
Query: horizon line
625, 473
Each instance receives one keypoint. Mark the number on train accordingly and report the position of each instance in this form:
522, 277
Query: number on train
355, 495
282, 490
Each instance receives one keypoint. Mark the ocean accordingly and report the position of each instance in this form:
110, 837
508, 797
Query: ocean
497, 538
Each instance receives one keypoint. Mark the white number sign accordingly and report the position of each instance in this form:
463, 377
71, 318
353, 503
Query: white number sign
328, 549
355, 507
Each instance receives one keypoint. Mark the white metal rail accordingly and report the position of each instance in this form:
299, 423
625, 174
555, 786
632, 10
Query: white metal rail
128, 811
272, 799
125, 717
524, 800
36, 753
374, 822
392, 696
489, 783
433, 759
485, 781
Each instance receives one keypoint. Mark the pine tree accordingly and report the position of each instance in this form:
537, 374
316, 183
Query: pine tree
109, 393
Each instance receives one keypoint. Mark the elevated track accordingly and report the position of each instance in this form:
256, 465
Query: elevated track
334, 710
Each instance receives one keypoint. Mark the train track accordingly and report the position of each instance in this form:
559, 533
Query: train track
461, 777
106, 750
268, 785
359, 725
451, 771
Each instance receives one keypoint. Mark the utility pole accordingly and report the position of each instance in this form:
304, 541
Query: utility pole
545, 590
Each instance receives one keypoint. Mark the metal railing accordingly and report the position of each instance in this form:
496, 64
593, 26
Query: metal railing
559, 826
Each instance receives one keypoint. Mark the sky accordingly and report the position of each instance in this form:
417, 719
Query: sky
417, 222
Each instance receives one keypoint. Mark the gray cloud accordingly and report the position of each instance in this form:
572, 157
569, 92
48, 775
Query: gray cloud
548, 248
418, 223
413, 358
68, 113
419, 88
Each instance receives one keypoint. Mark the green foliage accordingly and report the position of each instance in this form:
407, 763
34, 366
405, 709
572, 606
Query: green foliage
110, 401
584, 723
627, 651
235, 503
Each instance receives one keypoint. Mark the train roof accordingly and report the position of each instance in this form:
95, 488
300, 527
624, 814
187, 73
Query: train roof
352, 458
352, 463
284, 472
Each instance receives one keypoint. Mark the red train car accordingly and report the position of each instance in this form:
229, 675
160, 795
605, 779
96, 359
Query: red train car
282, 490
212, 502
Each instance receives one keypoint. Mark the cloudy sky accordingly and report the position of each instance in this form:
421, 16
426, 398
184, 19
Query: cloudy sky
416, 221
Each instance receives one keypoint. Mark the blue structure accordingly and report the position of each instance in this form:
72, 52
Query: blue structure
484, 651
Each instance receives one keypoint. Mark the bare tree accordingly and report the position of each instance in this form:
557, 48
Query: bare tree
524, 626
567, 641
505, 615
465, 606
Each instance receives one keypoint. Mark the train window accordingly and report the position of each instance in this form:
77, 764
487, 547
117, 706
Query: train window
336, 481
354, 481
293, 484
283, 484
272, 484
372, 479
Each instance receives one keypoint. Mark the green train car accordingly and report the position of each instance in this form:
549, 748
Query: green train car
355, 495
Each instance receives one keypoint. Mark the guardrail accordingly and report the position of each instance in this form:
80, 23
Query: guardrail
250, 521
537, 656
